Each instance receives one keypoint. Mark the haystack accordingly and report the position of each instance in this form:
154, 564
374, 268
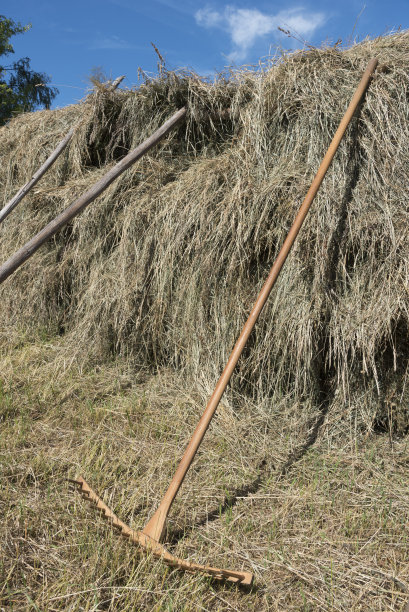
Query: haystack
164, 266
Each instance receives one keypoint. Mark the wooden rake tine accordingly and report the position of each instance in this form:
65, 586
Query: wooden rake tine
150, 537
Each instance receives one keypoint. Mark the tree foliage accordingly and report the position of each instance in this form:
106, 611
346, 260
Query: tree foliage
21, 88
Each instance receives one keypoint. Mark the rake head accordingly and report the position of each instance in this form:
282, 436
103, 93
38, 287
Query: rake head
153, 546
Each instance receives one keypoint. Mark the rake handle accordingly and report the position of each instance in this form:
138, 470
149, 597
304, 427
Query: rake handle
156, 525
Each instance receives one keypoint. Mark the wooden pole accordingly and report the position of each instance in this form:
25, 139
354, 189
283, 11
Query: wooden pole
112, 86
36, 177
155, 527
76, 207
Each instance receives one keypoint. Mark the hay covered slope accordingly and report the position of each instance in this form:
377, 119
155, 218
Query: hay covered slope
164, 267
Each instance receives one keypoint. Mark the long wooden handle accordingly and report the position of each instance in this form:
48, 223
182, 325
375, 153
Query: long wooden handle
89, 196
156, 524
36, 176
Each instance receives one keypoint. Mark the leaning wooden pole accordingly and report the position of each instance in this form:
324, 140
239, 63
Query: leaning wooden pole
76, 207
151, 535
155, 527
47, 164
111, 86
36, 177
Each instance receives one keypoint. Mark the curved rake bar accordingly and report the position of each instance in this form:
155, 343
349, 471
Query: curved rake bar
151, 535
159, 551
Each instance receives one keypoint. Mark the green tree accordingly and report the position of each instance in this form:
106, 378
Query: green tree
21, 89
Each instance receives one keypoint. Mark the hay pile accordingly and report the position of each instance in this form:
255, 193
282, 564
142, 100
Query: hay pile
164, 267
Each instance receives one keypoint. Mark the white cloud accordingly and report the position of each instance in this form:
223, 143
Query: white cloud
111, 42
208, 18
300, 21
245, 26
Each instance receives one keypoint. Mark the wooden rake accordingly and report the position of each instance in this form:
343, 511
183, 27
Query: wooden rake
151, 535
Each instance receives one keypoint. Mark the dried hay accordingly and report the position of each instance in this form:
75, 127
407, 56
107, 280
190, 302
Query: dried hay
164, 266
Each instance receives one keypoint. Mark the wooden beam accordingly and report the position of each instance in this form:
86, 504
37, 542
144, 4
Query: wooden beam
112, 86
36, 177
89, 196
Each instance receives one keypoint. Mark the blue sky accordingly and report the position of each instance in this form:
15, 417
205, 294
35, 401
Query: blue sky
69, 38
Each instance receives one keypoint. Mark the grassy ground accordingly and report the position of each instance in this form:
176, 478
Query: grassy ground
323, 524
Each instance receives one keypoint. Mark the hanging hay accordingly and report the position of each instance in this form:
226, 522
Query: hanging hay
165, 265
